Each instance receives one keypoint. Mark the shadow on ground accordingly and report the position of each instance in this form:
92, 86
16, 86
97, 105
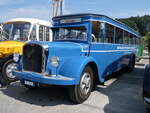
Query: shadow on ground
43, 96
125, 94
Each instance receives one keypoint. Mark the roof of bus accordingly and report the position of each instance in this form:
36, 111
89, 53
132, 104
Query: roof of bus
30, 20
97, 17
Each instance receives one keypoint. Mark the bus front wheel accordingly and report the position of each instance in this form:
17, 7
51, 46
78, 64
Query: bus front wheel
79, 93
7, 69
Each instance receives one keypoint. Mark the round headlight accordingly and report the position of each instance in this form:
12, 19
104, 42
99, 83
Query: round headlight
16, 57
54, 61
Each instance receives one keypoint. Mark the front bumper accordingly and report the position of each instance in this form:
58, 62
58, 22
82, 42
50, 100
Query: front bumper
49, 80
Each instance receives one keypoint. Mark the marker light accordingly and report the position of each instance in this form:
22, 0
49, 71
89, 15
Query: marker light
16, 57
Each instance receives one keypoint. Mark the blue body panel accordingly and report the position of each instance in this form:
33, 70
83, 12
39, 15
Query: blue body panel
75, 55
111, 57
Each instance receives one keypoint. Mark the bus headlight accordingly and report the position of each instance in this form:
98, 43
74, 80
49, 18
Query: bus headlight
54, 61
16, 57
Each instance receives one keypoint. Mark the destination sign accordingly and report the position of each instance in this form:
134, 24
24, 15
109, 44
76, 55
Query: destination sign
75, 20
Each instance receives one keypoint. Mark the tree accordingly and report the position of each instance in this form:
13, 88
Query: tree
138, 23
147, 39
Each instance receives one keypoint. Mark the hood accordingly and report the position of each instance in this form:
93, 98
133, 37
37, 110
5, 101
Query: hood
10, 47
12, 44
63, 48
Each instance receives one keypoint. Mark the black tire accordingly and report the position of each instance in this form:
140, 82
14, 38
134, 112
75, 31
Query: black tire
146, 81
76, 93
5, 76
131, 65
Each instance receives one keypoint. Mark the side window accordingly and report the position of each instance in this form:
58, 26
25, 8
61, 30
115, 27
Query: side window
131, 39
126, 37
7, 28
134, 39
96, 31
33, 33
44, 33
109, 34
41, 33
119, 36
137, 40
47, 34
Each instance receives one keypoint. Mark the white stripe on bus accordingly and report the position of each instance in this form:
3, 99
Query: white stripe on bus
107, 51
101, 51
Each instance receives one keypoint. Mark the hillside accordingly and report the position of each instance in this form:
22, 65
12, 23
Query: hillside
139, 23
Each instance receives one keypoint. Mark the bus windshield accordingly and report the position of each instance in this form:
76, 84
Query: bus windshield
17, 31
70, 33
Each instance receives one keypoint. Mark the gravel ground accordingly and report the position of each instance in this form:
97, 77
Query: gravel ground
122, 94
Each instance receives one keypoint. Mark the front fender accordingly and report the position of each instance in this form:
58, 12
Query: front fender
73, 67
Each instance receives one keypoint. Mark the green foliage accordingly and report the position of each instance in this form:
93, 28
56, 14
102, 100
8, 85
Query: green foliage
147, 39
148, 36
137, 23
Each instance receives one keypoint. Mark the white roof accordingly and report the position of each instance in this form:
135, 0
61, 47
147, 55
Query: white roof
31, 20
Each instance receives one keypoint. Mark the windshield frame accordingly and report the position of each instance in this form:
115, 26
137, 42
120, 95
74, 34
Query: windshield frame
72, 25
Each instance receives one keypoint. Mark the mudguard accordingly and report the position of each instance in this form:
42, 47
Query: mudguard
73, 67
3, 60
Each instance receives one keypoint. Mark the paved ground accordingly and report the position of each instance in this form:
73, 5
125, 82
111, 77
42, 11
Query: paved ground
120, 95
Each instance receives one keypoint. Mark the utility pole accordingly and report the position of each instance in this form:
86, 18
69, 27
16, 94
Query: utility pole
57, 8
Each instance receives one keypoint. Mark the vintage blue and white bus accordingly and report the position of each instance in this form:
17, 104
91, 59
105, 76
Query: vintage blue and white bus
86, 48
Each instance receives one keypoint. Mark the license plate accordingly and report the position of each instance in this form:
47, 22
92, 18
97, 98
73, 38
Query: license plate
29, 83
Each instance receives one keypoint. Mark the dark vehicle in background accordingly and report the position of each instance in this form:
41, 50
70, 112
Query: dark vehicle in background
146, 84
146, 88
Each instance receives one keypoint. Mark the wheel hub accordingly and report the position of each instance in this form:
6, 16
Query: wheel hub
10, 68
85, 83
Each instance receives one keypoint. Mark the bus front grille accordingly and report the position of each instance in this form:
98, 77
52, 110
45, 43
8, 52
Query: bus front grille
33, 58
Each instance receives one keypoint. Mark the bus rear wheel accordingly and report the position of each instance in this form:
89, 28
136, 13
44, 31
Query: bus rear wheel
80, 93
131, 64
7, 69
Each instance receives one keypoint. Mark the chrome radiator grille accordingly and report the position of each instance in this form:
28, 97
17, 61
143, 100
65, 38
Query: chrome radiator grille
33, 58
